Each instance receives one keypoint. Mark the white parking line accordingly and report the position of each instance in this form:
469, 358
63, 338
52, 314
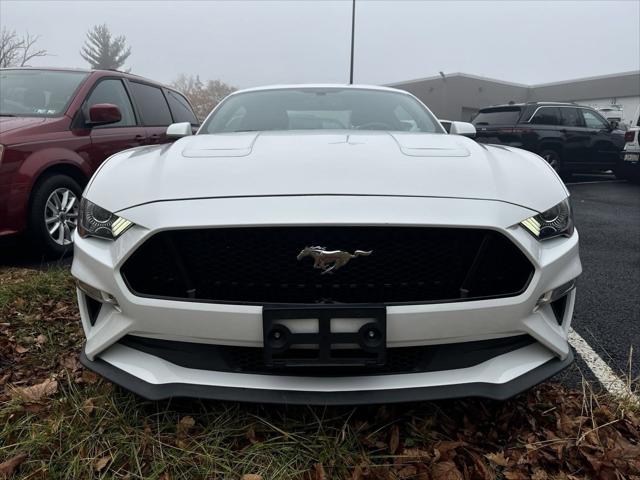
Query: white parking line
600, 369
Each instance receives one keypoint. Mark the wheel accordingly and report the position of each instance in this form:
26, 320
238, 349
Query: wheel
553, 158
53, 214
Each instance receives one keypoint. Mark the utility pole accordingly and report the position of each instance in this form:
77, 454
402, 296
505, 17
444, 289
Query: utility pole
353, 29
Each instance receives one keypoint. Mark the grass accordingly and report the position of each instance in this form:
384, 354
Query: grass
88, 428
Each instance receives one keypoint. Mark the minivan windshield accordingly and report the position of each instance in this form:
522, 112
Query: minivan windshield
321, 109
37, 93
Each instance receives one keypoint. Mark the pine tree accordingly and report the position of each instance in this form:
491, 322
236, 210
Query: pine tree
104, 52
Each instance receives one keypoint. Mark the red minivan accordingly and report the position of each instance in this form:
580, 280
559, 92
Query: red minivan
56, 127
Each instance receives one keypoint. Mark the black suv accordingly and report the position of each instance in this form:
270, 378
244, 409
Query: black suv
572, 138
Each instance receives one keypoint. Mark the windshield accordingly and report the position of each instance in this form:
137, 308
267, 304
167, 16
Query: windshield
321, 109
37, 93
498, 116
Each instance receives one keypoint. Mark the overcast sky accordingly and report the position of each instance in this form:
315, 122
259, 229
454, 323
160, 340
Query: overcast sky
264, 42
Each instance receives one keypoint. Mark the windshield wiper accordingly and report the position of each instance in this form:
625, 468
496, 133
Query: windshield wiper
7, 115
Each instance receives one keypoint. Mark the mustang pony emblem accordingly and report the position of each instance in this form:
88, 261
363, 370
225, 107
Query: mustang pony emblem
330, 260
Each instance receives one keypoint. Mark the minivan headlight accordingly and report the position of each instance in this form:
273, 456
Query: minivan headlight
95, 221
555, 222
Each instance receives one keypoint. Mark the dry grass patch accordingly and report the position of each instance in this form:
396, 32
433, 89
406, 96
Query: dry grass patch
60, 421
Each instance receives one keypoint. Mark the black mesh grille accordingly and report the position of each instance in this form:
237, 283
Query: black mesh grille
259, 265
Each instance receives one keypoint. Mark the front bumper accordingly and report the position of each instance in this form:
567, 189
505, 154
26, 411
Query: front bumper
630, 157
137, 371
97, 263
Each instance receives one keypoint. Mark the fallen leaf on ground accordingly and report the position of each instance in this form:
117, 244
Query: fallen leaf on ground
539, 475
320, 472
251, 435
409, 471
446, 471
251, 476
8, 468
497, 458
41, 339
21, 349
101, 463
89, 377
37, 392
88, 406
70, 362
516, 476
185, 424
394, 440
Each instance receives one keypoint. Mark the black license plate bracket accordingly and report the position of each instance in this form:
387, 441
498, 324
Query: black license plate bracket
364, 346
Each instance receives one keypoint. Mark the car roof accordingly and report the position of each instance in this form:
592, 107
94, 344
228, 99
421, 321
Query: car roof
90, 71
320, 85
520, 105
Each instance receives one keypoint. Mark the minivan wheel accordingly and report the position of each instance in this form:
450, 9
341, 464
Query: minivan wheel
54, 214
553, 158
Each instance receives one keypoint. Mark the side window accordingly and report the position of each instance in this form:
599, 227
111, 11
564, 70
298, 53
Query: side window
571, 117
112, 91
153, 107
180, 108
592, 120
546, 116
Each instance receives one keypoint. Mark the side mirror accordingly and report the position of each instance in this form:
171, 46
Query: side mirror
179, 130
446, 124
103, 114
463, 128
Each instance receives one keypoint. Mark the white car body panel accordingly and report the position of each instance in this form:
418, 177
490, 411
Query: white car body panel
315, 163
332, 178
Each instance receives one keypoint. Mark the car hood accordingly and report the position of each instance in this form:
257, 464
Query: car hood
8, 124
325, 163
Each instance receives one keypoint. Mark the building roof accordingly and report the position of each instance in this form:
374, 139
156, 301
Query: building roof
630, 73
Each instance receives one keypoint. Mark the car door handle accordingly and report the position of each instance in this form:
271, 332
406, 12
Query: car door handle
138, 137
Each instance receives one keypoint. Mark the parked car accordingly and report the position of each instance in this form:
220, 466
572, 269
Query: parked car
572, 138
326, 244
629, 167
56, 127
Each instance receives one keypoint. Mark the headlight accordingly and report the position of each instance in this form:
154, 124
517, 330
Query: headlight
554, 222
95, 221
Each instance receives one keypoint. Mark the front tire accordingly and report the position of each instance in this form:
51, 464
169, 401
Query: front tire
53, 214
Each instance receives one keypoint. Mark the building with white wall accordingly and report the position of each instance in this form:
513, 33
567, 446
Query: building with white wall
458, 96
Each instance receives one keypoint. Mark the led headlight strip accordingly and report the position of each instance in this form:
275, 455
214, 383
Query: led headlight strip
532, 225
120, 226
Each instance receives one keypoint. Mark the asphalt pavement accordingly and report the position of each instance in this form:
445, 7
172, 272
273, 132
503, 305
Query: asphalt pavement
607, 313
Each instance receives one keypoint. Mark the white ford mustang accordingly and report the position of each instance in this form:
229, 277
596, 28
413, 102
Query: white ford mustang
330, 245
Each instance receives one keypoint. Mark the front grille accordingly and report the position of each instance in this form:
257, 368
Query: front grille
429, 358
259, 265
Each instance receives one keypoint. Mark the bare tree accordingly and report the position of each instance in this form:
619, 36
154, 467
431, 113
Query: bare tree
104, 52
202, 96
17, 51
